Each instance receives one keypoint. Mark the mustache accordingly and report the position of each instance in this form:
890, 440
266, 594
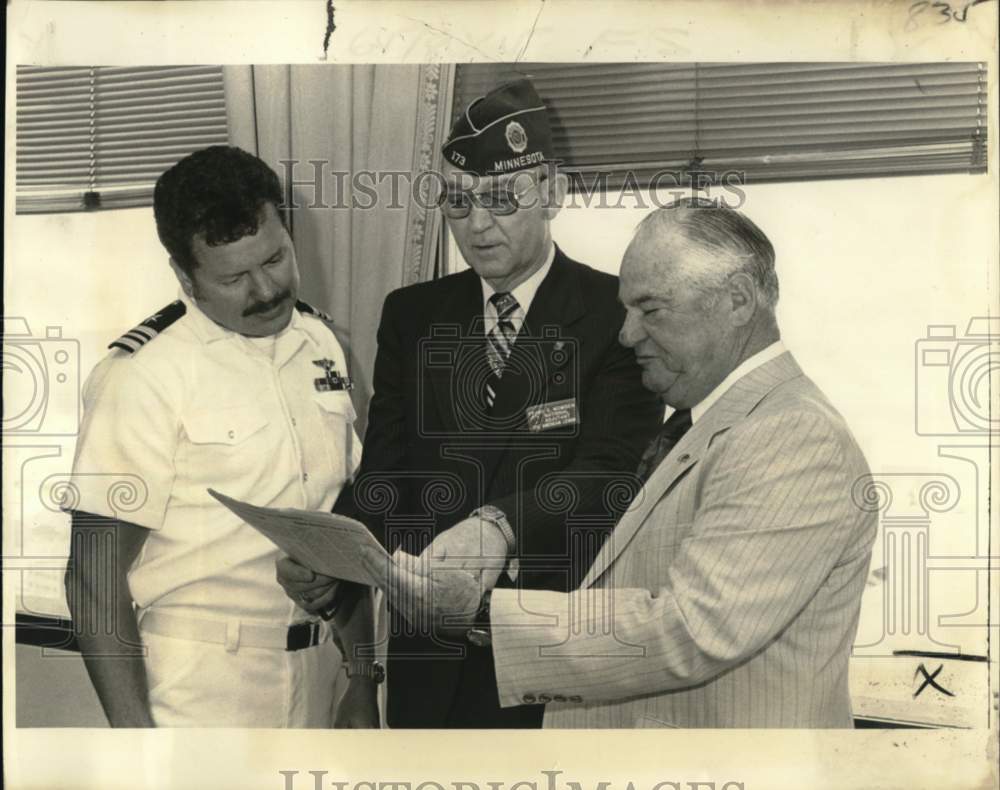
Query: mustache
263, 307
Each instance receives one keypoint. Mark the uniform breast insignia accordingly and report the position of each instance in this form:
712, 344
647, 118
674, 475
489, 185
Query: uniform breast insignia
331, 380
138, 336
308, 309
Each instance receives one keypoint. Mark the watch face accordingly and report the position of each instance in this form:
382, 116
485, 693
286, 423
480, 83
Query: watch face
378, 672
479, 637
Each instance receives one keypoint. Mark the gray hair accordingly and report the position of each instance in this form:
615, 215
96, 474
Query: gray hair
730, 243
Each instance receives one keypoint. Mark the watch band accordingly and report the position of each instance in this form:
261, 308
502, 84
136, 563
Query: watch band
366, 669
338, 599
481, 633
499, 518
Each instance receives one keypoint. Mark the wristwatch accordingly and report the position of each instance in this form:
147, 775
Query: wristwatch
480, 634
498, 517
366, 669
344, 590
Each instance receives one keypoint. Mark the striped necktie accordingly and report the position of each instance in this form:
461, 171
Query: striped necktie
673, 429
500, 340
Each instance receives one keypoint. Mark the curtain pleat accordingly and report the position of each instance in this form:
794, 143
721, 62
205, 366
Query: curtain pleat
358, 129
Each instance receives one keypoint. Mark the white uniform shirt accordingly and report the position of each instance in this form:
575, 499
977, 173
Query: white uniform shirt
196, 407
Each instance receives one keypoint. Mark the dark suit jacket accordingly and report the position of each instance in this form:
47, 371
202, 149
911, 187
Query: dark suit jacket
433, 453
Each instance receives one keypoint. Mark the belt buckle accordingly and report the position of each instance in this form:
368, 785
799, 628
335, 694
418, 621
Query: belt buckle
313, 634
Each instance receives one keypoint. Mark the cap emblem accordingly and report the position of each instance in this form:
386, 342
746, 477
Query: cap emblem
517, 138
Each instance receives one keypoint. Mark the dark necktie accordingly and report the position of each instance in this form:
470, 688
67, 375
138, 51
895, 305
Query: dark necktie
673, 429
500, 340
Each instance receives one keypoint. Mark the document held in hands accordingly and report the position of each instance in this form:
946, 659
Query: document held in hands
324, 542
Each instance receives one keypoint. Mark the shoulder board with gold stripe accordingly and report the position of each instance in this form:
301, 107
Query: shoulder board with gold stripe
138, 336
308, 309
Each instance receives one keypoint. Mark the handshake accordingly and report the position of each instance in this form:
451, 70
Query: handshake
444, 585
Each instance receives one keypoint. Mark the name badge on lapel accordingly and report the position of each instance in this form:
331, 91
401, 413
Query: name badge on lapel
556, 414
331, 380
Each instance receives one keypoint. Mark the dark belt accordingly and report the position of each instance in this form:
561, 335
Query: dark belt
302, 635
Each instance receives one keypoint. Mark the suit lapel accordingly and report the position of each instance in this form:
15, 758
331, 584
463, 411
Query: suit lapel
738, 401
685, 455
458, 343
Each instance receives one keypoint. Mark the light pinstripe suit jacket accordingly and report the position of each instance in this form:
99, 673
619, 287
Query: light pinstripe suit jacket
729, 593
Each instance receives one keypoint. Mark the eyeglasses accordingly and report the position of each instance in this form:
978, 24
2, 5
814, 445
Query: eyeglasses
500, 201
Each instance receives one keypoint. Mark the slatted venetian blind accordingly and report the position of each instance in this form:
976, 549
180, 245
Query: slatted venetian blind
768, 121
98, 137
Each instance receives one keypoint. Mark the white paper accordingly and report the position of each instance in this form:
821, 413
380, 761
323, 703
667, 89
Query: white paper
323, 542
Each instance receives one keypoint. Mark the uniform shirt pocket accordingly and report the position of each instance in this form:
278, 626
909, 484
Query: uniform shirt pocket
343, 450
229, 426
229, 449
336, 404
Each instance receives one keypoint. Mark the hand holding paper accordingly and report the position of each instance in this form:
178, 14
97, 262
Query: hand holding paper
323, 542
474, 544
438, 593
313, 592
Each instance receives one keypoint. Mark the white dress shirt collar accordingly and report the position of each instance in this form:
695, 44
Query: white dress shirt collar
751, 363
280, 347
525, 292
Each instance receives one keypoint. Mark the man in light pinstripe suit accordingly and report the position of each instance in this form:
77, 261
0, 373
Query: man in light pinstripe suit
729, 593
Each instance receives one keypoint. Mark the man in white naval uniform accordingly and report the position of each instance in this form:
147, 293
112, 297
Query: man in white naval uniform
239, 387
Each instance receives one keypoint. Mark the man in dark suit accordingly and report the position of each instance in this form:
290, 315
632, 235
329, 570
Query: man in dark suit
506, 419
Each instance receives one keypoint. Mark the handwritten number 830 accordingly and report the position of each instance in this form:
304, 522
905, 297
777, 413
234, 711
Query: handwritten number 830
940, 13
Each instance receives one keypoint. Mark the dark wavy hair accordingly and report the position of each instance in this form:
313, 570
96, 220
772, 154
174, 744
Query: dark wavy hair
217, 192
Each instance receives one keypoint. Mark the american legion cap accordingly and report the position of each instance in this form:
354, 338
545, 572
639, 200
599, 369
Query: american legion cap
504, 131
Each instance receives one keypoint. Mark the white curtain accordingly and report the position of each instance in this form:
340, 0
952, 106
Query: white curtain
354, 120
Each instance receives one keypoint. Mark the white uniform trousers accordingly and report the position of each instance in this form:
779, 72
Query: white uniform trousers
202, 684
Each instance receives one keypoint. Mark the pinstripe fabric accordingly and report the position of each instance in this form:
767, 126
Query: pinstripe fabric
727, 596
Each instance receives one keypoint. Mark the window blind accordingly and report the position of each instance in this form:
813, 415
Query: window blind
98, 137
766, 121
